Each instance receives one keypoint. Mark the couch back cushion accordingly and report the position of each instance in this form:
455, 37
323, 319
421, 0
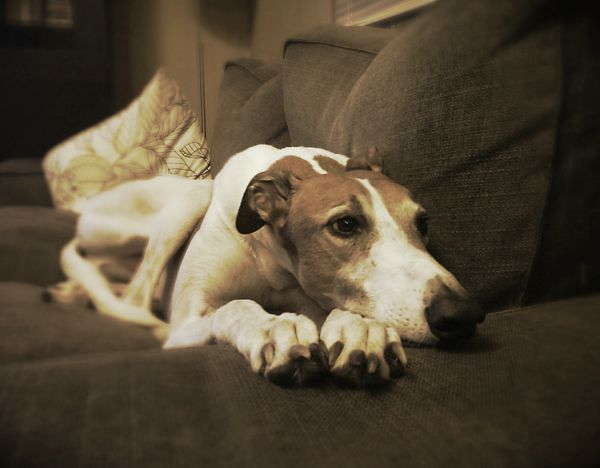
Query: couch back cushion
463, 102
568, 258
250, 109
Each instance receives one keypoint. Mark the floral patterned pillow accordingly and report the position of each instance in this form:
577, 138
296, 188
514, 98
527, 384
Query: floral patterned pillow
156, 134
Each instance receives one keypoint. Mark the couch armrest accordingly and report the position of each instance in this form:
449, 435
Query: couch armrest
22, 182
30, 242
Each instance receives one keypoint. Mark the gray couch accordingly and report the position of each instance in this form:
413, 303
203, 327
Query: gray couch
488, 111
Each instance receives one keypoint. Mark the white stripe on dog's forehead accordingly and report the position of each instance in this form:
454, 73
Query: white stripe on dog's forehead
316, 166
383, 217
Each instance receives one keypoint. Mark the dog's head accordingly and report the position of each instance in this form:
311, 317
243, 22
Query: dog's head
355, 240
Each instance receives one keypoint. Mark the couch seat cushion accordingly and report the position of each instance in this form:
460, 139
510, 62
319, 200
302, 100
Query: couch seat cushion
524, 393
22, 182
34, 330
31, 238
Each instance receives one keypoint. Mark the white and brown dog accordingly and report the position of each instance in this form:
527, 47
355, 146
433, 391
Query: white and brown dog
307, 262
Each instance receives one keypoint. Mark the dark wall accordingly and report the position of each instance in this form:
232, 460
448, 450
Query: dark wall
53, 83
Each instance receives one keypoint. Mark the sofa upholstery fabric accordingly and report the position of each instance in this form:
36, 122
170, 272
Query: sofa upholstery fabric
31, 238
35, 330
513, 397
22, 182
568, 256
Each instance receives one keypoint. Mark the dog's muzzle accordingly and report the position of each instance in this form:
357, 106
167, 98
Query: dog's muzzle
452, 317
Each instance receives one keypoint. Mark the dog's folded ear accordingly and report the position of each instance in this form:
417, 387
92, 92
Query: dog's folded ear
372, 161
265, 201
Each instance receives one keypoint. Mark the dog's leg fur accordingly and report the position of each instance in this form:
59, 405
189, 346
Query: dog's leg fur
285, 348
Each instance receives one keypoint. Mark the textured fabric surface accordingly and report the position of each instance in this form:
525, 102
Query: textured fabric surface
463, 104
34, 330
250, 110
31, 238
22, 182
523, 394
568, 258
156, 134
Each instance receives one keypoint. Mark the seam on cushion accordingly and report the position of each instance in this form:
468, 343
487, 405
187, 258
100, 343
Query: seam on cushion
338, 44
260, 77
254, 93
327, 43
525, 293
541, 306
279, 133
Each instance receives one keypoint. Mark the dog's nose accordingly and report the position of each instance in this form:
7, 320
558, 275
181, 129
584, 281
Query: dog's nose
453, 317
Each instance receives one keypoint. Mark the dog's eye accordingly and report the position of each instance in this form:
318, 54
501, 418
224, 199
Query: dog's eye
422, 223
346, 226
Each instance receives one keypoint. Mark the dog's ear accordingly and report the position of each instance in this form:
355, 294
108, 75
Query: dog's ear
265, 201
372, 161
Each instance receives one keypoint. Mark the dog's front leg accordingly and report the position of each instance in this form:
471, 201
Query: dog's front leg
285, 348
362, 351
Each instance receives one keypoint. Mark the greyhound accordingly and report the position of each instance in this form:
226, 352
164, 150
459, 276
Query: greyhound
306, 261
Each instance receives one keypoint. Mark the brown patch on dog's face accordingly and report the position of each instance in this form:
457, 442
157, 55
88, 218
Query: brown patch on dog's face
322, 209
329, 262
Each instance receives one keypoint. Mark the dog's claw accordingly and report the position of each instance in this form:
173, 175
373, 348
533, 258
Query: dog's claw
357, 358
268, 352
318, 353
334, 352
396, 359
299, 352
372, 363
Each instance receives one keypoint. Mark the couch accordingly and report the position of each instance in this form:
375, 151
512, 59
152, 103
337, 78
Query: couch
488, 112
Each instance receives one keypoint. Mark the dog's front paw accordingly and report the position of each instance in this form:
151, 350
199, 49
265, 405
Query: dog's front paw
288, 351
362, 351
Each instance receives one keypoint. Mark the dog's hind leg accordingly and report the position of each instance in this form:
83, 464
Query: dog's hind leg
99, 290
66, 292
172, 226
167, 230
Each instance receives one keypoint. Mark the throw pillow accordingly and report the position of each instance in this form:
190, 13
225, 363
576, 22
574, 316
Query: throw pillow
156, 134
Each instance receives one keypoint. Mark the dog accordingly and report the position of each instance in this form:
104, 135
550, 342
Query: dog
306, 261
